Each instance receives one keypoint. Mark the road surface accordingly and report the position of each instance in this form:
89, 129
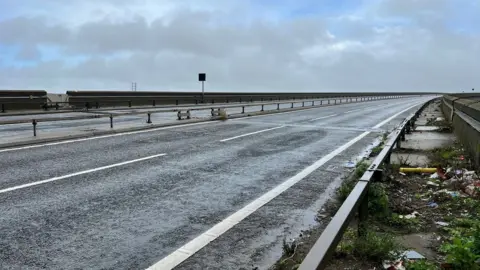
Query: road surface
129, 201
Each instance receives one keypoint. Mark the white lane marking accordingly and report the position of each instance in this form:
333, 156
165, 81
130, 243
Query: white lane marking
187, 250
323, 117
101, 137
352, 111
251, 133
78, 173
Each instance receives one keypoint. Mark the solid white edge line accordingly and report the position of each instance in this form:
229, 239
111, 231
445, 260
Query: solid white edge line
78, 173
251, 133
193, 246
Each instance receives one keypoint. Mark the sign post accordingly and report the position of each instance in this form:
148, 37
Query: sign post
202, 77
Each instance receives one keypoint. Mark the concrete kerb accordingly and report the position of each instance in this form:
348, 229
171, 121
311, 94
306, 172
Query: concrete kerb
153, 126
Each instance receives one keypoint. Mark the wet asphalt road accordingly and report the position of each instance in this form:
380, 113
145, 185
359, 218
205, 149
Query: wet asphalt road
132, 215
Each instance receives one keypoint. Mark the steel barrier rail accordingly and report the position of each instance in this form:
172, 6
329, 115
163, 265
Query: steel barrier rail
35, 122
320, 254
203, 108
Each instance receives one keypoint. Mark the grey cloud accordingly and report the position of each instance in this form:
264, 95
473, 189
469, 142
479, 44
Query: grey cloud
168, 52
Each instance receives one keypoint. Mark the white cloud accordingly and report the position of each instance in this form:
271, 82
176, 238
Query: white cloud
382, 45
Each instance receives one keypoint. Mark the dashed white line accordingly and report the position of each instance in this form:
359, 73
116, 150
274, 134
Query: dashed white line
251, 133
78, 173
352, 111
323, 117
184, 252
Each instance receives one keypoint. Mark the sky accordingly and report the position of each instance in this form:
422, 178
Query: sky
242, 45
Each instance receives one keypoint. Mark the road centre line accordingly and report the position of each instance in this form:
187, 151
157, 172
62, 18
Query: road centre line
323, 117
196, 244
251, 133
79, 173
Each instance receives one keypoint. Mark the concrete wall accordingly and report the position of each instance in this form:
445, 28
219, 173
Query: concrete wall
22, 99
123, 98
466, 130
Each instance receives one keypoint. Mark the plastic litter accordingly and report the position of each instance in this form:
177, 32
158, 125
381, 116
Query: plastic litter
413, 255
410, 216
350, 164
430, 183
433, 204
441, 223
418, 170
398, 264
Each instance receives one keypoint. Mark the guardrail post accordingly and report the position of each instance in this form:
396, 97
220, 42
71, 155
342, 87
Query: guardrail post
96, 105
402, 134
329, 102
57, 106
262, 108
313, 103
213, 101
278, 106
303, 103
34, 123
179, 115
196, 101
129, 103
111, 120
149, 121
227, 101
362, 216
335, 101
176, 102
251, 99
240, 100
3, 108
153, 103
292, 104
213, 112
408, 127
388, 158
321, 101
243, 109
188, 114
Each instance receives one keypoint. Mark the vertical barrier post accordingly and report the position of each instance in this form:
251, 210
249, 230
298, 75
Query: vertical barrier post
149, 120
303, 103
111, 120
3, 108
153, 103
262, 108
34, 123
278, 106
243, 109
